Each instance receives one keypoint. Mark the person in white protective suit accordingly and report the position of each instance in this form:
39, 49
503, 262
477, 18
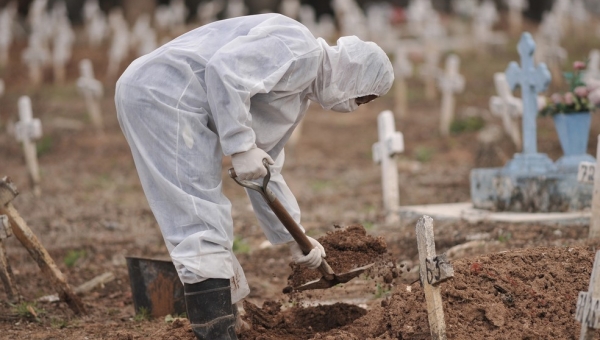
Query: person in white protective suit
238, 88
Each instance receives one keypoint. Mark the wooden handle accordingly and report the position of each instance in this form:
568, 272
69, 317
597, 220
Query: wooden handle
299, 236
291, 225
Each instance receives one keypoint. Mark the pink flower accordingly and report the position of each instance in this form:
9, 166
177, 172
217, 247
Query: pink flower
556, 98
579, 65
569, 98
581, 91
594, 97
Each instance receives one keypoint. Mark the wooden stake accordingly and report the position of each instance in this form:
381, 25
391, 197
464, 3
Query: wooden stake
588, 304
433, 270
22, 232
6, 274
595, 219
27, 130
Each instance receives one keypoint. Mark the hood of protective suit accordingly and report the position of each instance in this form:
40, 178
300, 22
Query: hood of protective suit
351, 69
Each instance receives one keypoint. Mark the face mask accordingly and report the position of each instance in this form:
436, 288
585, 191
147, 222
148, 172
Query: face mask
347, 106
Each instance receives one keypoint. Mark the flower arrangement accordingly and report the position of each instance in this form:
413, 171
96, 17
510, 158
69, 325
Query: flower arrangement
583, 96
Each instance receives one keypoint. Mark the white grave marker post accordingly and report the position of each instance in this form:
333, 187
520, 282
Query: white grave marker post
588, 304
7, 16
508, 108
390, 144
450, 82
92, 91
433, 270
403, 69
35, 56
430, 70
595, 219
27, 130
6, 273
592, 71
515, 15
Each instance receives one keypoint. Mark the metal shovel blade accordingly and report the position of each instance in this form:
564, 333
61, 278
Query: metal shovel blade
323, 283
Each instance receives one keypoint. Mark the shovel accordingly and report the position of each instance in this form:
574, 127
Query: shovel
330, 278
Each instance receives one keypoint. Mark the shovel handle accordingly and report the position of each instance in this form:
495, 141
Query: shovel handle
284, 216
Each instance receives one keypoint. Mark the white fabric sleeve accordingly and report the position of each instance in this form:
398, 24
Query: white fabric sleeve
270, 224
244, 67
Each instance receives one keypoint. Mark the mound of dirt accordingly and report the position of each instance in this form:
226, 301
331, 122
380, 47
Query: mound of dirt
524, 294
346, 248
270, 323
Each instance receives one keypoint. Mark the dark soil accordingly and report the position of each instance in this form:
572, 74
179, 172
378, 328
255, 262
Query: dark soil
346, 249
522, 294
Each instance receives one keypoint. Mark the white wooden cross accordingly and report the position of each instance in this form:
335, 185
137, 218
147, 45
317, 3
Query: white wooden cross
207, 11
588, 173
27, 130
119, 48
450, 82
7, 17
430, 70
61, 54
588, 304
35, 56
592, 72
391, 143
290, 8
1, 87
580, 17
403, 69
507, 107
433, 270
515, 15
92, 91
235, 8
179, 13
96, 29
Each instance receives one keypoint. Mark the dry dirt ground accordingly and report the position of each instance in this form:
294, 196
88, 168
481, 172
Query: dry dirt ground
92, 214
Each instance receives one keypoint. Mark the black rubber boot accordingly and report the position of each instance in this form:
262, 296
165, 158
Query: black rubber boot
209, 309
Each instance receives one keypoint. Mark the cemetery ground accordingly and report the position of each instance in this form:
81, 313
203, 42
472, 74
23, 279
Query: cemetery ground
92, 213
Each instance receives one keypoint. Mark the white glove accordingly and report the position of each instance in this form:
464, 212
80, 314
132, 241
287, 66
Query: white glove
313, 259
249, 165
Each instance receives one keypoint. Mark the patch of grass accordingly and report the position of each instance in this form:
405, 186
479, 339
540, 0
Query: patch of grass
468, 124
170, 318
73, 256
59, 323
368, 225
424, 154
240, 245
320, 185
504, 237
28, 310
381, 291
142, 315
44, 145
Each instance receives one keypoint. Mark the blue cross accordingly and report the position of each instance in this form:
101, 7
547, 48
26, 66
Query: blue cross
532, 81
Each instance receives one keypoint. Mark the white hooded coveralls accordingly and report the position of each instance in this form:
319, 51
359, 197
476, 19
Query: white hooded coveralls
221, 89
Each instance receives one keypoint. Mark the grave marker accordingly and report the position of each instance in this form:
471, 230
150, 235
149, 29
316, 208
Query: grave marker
515, 14
390, 144
450, 82
27, 130
7, 17
403, 69
430, 70
532, 80
595, 219
592, 71
290, 8
35, 56
434, 269
6, 273
588, 304
62, 45
508, 107
92, 91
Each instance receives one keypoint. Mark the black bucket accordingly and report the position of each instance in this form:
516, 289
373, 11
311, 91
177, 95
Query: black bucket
155, 287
